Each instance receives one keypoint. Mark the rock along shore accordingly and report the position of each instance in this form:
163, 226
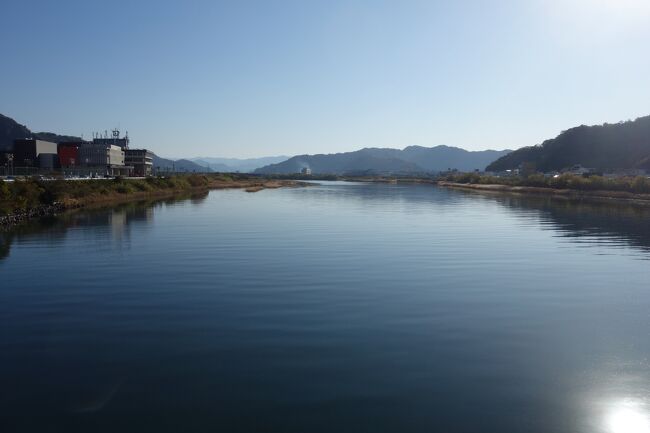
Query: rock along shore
38, 212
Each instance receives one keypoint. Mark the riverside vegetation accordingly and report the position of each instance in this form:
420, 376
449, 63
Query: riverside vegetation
33, 197
636, 185
632, 190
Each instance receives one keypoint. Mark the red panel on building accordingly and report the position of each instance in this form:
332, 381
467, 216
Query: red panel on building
68, 154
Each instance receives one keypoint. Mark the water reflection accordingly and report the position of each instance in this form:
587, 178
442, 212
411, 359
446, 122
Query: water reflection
583, 222
627, 416
597, 222
617, 397
400, 308
120, 220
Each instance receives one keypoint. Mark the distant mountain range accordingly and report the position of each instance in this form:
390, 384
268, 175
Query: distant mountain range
237, 164
622, 145
609, 146
178, 165
411, 160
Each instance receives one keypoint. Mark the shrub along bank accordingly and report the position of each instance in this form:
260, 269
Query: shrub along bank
635, 185
30, 194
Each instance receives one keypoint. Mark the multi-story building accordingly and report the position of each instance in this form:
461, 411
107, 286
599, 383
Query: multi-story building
35, 153
103, 156
141, 160
106, 159
69, 154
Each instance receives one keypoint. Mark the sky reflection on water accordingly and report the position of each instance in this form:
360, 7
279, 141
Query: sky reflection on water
346, 307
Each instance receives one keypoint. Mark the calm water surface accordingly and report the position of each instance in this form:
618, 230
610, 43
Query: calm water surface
334, 308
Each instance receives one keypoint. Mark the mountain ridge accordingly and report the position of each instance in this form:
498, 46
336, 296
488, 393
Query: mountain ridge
11, 130
238, 164
410, 160
622, 145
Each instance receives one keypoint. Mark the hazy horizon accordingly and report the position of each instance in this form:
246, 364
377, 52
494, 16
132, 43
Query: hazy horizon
269, 156
253, 79
328, 153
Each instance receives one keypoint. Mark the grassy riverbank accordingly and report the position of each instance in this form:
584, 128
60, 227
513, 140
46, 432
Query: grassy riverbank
34, 196
632, 185
632, 190
629, 190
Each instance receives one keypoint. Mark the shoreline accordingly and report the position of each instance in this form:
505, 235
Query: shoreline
567, 194
116, 198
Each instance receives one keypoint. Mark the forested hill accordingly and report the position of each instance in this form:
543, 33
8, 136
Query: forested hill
609, 146
11, 130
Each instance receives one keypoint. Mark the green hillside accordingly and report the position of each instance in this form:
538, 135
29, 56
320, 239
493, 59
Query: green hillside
604, 147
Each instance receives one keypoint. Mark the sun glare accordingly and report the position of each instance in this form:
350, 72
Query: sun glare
631, 7
597, 23
628, 417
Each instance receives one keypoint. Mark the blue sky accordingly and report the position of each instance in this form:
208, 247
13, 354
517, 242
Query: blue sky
255, 78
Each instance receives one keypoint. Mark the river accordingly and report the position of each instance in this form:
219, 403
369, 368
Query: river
341, 307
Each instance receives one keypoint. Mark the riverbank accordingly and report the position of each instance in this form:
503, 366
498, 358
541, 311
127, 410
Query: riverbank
31, 198
602, 195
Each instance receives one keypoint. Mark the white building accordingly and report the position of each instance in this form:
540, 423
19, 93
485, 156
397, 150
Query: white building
106, 158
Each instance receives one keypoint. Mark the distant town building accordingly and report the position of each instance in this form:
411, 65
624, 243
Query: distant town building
141, 160
629, 172
579, 170
503, 173
306, 171
35, 153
